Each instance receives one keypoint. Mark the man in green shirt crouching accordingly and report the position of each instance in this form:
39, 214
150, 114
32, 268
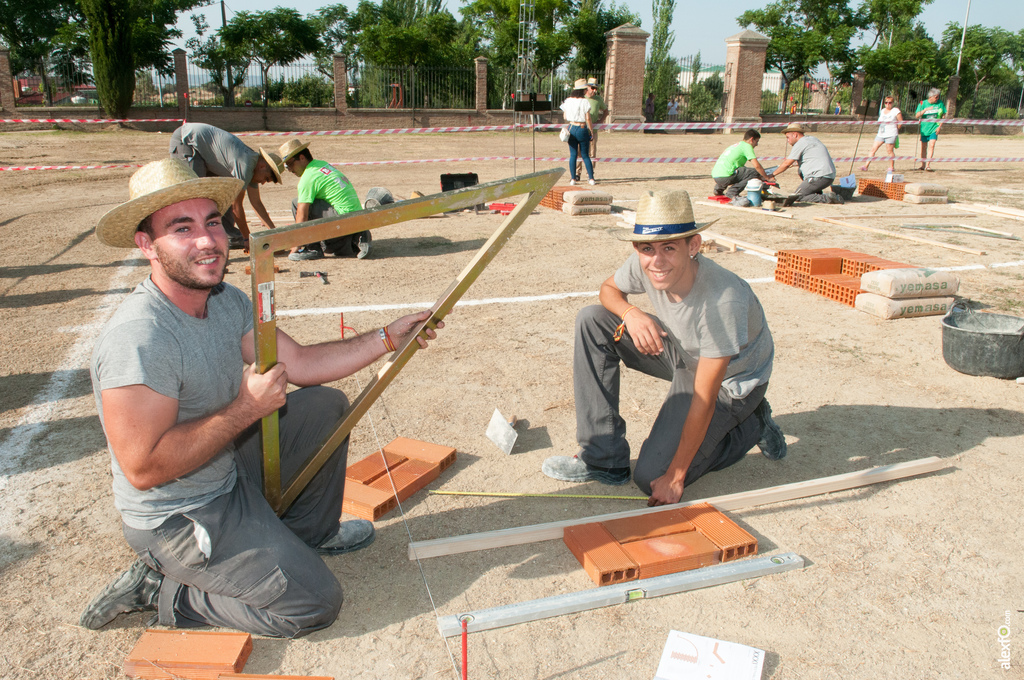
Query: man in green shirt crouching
323, 192
731, 173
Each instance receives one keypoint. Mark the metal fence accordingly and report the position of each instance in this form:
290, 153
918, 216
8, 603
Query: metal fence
411, 87
990, 101
71, 83
299, 84
809, 95
700, 91
556, 85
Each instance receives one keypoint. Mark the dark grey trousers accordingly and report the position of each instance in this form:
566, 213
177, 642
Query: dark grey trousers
262, 575
601, 431
737, 181
810, 189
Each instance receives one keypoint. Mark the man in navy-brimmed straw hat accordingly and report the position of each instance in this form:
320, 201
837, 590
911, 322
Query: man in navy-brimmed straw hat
707, 336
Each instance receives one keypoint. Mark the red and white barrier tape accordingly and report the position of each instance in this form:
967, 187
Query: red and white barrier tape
559, 159
91, 120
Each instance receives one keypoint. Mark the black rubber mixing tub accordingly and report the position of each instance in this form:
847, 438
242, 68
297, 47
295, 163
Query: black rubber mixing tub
983, 344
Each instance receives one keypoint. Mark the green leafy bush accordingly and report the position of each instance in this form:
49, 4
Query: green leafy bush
1007, 113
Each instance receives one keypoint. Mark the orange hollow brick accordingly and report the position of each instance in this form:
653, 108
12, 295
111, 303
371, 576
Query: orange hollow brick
602, 557
443, 456
407, 478
372, 467
670, 554
366, 502
198, 655
630, 529
734, 541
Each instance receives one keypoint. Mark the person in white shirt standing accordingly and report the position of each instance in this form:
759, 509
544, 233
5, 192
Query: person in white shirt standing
576, 110
891, 119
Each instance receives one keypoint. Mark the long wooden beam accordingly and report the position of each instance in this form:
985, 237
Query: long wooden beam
900, 216
983, 210
720, 238
770, 213
737, 501
905, 237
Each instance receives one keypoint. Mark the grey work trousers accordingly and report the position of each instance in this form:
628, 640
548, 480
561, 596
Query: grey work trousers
601, 431
810, 189
262, 575
737, 181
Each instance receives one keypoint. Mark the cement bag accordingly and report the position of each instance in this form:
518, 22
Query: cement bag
911, 198
925, 189
586, 209
908, 283
884, 308
586, 198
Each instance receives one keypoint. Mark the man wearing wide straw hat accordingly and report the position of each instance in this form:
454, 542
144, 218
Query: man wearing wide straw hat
707, 337
815, 167
180, 403
323, 191
212, 152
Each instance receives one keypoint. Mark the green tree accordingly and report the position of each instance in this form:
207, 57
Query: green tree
662, 72
405, 33
912, 56
497, 24
274, 37
31, 29
587, 29
113, 61
227, 66
987, 58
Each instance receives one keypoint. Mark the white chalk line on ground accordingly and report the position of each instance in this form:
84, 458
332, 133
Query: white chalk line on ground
50, 401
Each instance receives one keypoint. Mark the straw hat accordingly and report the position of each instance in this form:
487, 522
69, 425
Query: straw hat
291, 147
157, 185
275, 163
794, 127
592, 82
663, 216
580, 84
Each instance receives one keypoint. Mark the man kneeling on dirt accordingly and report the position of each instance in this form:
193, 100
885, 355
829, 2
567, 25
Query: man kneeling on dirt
709, 340
815, 168
180, 402
323, 192
731, 173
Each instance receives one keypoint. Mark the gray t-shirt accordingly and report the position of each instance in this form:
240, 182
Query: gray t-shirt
224, 154
813, 158
719, 317
150, 341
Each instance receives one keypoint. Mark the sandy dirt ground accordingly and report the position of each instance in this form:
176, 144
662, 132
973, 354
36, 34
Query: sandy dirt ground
903, 580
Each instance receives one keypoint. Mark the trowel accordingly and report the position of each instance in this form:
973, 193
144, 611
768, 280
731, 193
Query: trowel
502, 432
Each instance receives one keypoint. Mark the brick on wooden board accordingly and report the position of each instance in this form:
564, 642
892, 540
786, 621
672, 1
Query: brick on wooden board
366, 502
408, 478
629, 529
425, 451
370, 468
734, 541
255, 676
602, 557
200, 655
671, 554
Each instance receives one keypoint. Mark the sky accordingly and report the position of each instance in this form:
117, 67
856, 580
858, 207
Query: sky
698, 26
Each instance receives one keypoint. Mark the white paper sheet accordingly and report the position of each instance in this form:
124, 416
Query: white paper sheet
694, 657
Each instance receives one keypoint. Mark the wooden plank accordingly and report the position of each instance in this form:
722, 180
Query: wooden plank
727, 240
737, 501
1000, 209
905, 237
771, 213
900, 216
594, 598
983, 230
985, 211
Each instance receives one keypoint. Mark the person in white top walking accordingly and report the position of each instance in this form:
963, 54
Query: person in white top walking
891, 119
576, 110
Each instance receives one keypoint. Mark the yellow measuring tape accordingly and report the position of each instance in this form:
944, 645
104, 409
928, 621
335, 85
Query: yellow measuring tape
538, 495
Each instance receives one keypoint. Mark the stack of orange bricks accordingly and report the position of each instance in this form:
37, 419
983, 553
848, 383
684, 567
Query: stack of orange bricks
658, 543
832, 272
875, 187
553, 199
413, 464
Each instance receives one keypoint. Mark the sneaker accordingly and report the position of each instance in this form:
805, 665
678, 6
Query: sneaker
135, 590
719, 191
573, 469
572, 182
362, 243
592, 182
772, 442
305, 253
353, 535
790, 200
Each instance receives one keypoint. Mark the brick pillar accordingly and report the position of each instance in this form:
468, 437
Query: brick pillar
857, 94
624, 74
6, 82
744, 76
181, 82
951, 94
481, 84
340, 84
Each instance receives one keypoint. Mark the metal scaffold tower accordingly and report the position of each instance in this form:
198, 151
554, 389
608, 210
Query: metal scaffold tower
524, 107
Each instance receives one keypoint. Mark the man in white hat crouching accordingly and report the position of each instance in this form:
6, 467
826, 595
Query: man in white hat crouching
708, 338
180, 402
814, 165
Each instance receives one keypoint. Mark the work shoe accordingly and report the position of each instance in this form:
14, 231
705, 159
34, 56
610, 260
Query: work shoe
135, 590
573, 469
719, 191
362, 244
353, 535
772, 442
790, 200
306, 253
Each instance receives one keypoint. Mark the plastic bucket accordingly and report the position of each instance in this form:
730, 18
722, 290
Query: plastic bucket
983, 344
754, 192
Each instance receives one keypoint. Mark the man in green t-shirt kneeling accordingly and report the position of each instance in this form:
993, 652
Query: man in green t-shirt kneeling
323, 192
731, 173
